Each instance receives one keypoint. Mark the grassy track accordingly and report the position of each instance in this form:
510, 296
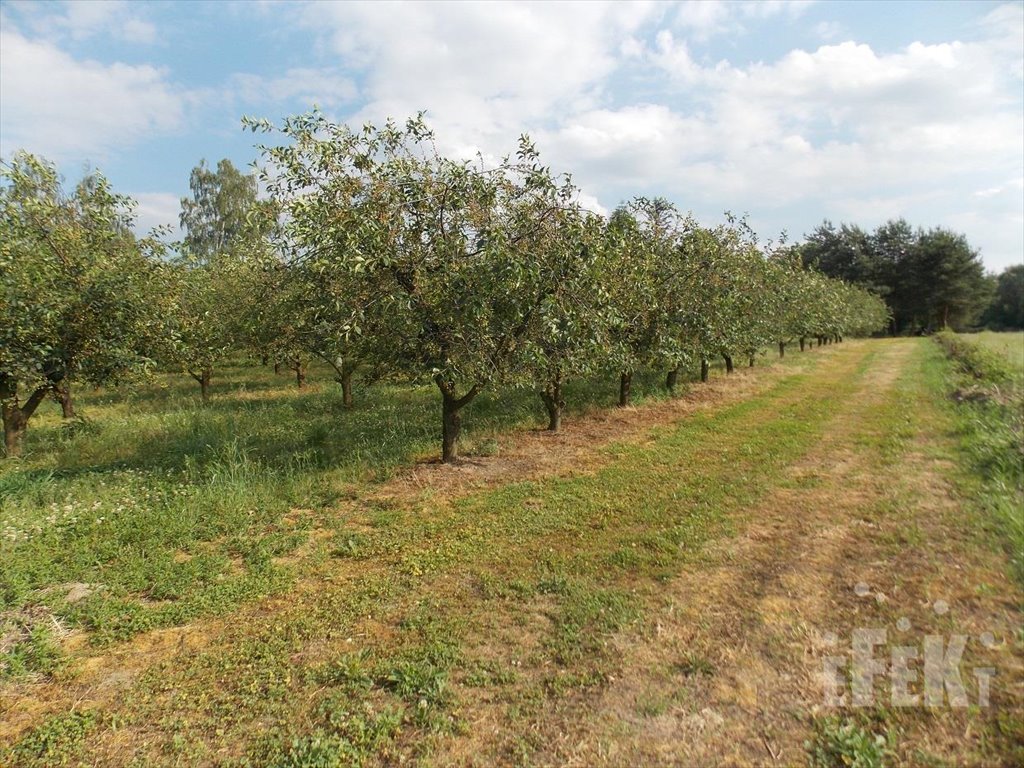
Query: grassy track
663, 598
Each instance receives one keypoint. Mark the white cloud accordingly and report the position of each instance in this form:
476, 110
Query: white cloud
62, 107
1009, 187
590, 203
829, 30
705, 19
762, 9
482, 68
139, 31
843, 130
83, 19
837, 131
157, 209
673, 56
329, 88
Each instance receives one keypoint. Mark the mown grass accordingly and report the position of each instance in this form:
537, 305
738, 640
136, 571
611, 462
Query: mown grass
585, 552
895, 437
154, 509
397, 623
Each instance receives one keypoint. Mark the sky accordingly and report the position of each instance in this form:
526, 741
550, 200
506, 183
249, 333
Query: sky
789, 112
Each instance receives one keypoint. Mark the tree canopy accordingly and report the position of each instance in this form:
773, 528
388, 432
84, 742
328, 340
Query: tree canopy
372, 251
1006, 310
929, 278
80, 296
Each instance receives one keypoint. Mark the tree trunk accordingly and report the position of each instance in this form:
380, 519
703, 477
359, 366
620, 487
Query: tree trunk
14, 428
704, 368
15, 417
277, 367
728, 364
625, 381
343, 370
300, 373
345, 379
839, 337
802, 341
451, 421
671, 379
551, 395
782, 349
62, 394
451, 425
203, 379
264, 359
750, 363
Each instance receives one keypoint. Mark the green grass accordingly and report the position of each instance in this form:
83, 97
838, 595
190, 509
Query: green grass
395, 624
989, 416
57, 741
586, 548
166, 509
1009, 344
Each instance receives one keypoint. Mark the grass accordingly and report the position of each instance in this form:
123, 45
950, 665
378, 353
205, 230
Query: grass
163, 510
988, 387
589, 590
56, 742
1009, 344
404, 625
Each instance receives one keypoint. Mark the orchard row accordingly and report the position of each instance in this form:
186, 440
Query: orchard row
372, 250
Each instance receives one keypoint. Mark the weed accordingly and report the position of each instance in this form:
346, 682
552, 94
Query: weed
318, 750
350, 545
489, 674
350, 672
27, 646
839, 743
562, 682
56, 742
363, 730
652, 705
586, 618
420, 682
693, 665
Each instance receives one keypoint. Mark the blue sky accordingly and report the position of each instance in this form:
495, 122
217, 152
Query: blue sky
789, 111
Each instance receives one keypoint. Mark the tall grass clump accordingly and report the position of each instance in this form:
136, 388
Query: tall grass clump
990, 422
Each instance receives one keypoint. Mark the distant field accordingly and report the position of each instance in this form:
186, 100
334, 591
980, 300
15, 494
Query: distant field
1010, 344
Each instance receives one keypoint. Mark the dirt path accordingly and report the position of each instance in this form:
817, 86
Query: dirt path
729, 669
853, 524
755, 614
98, 677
